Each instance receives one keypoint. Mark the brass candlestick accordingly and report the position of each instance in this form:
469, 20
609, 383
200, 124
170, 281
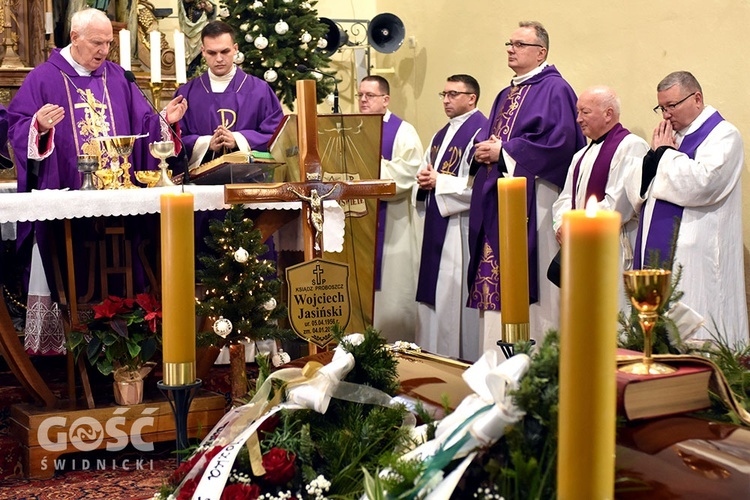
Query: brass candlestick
156, 88
647, 289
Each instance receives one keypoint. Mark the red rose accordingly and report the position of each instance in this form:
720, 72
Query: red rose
187, 490
279, 465
241, 492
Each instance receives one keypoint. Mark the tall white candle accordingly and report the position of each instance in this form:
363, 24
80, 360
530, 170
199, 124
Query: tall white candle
155, 39
125, 49
49, 23
179, 57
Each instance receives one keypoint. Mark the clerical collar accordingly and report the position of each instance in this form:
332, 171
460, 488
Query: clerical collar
601, 139
65, 53
460, 119
220, 83
518, 80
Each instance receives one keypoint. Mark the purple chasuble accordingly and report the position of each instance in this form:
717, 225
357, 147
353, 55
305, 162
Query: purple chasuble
537, 124
435, 225
666, 216
597, 184
248, 106
390, 129
104, 103
5, 161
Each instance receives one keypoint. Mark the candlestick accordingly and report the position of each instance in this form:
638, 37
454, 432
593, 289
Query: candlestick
179, 57
588, 345
125, 50
178, 288
514, 259
155, 39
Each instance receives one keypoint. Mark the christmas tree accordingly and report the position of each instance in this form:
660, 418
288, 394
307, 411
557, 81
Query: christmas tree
241, 288
274, 36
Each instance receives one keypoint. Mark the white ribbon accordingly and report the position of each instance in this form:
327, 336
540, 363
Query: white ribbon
491, 382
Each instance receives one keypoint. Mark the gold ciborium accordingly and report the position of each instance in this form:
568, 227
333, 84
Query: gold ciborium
162, 150
150, 177
647, 289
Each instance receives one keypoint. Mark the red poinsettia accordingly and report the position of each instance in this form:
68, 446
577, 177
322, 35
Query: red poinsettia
241, 492
279, 465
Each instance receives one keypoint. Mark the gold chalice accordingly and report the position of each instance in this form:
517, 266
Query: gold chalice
162, 150
123, 146
647, 289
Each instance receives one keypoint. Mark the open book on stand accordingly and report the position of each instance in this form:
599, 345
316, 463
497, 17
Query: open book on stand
650, 396
236, 167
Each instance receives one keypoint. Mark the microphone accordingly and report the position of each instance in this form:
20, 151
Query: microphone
130, 76
305, 69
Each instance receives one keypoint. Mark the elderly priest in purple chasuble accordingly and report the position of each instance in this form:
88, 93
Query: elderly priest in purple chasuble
57, 114
532, 132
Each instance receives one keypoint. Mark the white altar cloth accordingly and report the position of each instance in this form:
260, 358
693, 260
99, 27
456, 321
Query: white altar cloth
64, 204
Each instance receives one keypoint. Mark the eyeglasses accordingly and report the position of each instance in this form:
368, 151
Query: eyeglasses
369, 96
520, 45
452, 94
669, 108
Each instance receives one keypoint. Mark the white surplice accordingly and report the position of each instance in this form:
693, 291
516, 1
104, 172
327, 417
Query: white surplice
395, 307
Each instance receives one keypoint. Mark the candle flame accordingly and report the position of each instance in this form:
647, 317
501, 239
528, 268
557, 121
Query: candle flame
591, 206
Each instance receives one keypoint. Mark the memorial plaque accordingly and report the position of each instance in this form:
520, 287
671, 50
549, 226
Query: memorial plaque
318, 299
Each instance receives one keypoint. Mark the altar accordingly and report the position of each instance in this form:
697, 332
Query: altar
64, 205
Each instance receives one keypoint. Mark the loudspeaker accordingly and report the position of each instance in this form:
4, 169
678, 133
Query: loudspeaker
386, 33
335, 38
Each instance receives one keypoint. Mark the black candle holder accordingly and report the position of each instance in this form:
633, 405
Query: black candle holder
508, 347
180, 397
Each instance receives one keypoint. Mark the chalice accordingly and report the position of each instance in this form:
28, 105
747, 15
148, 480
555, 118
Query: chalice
123, 146
162, 150
647, 289
87, 165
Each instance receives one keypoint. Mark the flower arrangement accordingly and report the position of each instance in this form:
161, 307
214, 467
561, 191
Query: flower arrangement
123, 334
307, 433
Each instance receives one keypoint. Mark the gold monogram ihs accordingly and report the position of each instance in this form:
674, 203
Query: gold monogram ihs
227, 121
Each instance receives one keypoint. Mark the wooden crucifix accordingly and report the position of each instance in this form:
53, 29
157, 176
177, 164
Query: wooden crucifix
312, 190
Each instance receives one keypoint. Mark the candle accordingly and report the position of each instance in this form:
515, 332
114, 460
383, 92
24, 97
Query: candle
49, 23
155, 39
514, 258
125, 49
179, 57
588, 343
178, 288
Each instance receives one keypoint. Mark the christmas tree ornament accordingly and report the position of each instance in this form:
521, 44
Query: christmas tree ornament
261, 42
270, 305
280, 358
244, 26
222, 327
241, 255
306, 5
239, 58
249, 38
270, 76
281, 27
322, 43
306, 37
288, 1
257, 5
317, 75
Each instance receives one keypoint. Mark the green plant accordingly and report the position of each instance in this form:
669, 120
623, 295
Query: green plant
123, 333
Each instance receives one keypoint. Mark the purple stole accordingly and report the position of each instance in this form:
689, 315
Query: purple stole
666, 217
597, 184
435, 225
390, 128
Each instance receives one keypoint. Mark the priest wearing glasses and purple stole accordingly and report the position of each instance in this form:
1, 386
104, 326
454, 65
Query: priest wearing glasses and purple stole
690, 184
60, 109
532, 132
445, 325
603, 169
399, 235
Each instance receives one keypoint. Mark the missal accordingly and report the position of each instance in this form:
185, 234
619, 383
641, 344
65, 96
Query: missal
233, 168
650, 396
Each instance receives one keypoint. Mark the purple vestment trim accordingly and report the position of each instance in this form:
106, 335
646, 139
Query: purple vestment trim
435, 225
390, 128
666, 216
597, 184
